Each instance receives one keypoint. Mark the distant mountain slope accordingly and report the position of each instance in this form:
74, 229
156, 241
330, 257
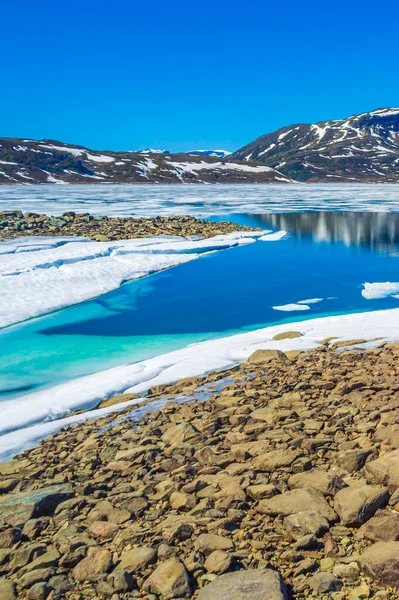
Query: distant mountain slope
49, 161
363, 148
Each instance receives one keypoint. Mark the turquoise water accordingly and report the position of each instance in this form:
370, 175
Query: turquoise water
219, 294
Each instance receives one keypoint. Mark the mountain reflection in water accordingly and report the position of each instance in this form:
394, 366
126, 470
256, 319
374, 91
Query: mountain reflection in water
377, 231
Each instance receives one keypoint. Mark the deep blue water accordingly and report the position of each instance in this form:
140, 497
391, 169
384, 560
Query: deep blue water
219, 294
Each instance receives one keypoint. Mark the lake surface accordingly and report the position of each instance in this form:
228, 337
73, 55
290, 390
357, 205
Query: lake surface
325, 257
199, 200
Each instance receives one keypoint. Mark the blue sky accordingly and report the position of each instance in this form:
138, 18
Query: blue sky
181, 75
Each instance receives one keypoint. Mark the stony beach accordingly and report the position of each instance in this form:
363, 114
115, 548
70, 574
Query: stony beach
276, 479
15, 223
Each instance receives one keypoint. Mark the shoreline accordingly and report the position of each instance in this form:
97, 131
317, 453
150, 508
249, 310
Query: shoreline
15, 223
275, 466
84, 394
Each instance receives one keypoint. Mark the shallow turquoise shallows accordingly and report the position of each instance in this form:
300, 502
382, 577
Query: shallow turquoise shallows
325, 256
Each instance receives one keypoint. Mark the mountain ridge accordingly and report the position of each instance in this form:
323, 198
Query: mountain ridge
363, 147
50, 161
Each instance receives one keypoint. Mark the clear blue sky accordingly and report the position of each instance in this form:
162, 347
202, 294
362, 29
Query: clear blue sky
124, 74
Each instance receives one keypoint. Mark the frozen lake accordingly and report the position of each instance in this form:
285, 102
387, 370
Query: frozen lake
199, 200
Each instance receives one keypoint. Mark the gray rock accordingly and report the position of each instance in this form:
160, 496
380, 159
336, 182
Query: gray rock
358, 504
16, 509
256, 584
322, 583
305, 522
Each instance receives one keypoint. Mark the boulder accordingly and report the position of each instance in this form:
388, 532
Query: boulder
287, 335
352, 460
275, 459
169, 580
182, 501
98, 560
262, 356
322, 583
218, 562
16, 509
383, 527
295, 501
306, 522
209, 542
385, 470
326, 483
381, 562
256, 584
355, 505
137, 559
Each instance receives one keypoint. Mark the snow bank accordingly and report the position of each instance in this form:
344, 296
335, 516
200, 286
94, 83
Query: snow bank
194, 360
40, 275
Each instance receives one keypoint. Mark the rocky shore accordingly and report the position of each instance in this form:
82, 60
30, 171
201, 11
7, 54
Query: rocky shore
15, 223
276, 479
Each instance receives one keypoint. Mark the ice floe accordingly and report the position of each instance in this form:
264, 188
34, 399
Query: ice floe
291, 307
377, 290
40, 275
197, 359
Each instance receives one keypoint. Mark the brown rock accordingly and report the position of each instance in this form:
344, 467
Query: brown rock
275, 459
98, 560
182, 501
218, 562
355, 505
262, 356
385, 470
383, 527
137, 559
295, 501
208, 543
7, 590
326, 483
169, 580
287, 335
381, 562
352, 460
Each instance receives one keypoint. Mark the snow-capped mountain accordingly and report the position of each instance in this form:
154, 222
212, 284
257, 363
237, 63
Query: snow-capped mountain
49, 161
363, 147
219, 153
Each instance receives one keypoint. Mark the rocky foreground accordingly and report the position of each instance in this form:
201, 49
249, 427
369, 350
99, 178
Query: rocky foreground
279, 479
15, 223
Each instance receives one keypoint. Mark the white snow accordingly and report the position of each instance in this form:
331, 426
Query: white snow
197, 359
187, 167
101, 158
310, 301
374, 291
273, 237
291, 307
42, 280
